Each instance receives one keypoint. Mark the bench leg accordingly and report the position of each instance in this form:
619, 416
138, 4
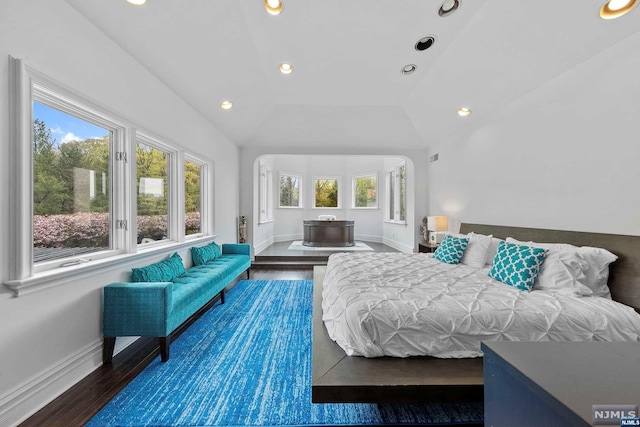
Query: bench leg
248, 275
107, 350
165, 343
222, 294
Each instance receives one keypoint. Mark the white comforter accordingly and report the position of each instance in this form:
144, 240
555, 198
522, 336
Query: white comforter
395, 304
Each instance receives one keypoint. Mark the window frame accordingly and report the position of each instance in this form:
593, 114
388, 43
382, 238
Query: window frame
393, 178
338, 180
300, 190
265, 193
23, 277
353, 190
154, 142
205, 201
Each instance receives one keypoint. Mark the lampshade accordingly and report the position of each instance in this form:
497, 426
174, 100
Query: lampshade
437, 223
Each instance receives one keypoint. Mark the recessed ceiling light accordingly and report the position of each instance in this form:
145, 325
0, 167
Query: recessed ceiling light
448, 7
408, 69
285, 68
274, 7
616, 8
425, 43
137, 2
464, 111
226, 105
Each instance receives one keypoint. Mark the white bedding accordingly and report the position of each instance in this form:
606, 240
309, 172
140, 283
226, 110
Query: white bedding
396, 304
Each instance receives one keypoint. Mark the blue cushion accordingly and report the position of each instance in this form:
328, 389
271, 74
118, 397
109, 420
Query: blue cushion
204, 254
451, 249
517, 265
163, 271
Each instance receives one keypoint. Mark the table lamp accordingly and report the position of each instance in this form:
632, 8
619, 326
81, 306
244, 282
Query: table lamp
438, 227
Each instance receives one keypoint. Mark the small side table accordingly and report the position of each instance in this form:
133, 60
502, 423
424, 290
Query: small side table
426, 247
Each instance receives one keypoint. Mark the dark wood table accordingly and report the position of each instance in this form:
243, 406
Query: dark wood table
556, 384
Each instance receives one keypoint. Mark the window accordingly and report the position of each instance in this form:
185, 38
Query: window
290, 196
193, 177
152, 173
326, 193
82, 175
71, 159
266, 193
396, 194
365, 191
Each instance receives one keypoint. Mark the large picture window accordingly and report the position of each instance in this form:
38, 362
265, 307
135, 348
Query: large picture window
290, 195
71, 191
326, 192
75, 194
365, 191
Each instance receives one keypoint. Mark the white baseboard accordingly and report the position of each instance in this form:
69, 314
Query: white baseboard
399, 246
367, 238
25, 400
287, 237
259, 247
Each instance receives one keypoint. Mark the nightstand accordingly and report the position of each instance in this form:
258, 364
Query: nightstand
426, 247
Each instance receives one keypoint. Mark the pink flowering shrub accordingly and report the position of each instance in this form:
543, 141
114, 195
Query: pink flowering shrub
91, 229
84, 229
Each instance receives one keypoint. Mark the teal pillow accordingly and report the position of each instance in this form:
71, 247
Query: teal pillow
517, 265
451, 249
203, 254
163, 271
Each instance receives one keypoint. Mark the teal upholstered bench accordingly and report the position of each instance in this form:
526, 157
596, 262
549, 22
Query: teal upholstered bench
156, 309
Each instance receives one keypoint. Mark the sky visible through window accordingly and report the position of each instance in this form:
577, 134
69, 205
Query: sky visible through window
65, 127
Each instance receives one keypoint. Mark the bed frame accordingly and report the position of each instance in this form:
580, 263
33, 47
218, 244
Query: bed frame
340, 378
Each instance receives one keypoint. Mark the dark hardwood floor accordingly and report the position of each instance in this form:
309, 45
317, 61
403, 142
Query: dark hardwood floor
79, 404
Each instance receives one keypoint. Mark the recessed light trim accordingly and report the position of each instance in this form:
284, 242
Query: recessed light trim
226, 105
408, 69
464, 111
274, 7
425, 43
616, 8
285, 68
448, 7
136, 2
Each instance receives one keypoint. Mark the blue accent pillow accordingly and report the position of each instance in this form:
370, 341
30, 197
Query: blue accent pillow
163, 271
203, 254
517, 265
451, 249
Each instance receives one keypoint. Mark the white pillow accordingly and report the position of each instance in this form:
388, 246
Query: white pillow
493, 249
475, 255
572, 269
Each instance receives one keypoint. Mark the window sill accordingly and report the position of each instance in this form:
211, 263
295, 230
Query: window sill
396, 222
363, 208
60, 276
265, 222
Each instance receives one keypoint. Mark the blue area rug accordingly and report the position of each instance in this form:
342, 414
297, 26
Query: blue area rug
248, 363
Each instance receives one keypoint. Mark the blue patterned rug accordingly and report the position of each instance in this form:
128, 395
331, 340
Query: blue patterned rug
248, 363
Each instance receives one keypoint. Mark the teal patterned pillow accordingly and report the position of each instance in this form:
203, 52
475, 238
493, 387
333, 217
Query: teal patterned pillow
163, 271
203, 254
451, 249
517, 265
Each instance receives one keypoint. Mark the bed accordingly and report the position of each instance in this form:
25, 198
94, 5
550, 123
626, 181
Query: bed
338, 377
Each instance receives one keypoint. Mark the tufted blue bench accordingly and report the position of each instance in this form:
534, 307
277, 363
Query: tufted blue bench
157, 309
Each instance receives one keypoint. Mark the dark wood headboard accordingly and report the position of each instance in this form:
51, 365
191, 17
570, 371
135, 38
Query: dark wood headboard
624, 274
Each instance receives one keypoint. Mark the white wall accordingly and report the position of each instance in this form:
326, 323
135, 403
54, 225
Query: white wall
564, 157
52, 338
370, 226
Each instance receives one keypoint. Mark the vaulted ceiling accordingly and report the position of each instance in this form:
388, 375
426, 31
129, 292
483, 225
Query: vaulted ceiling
347, 87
